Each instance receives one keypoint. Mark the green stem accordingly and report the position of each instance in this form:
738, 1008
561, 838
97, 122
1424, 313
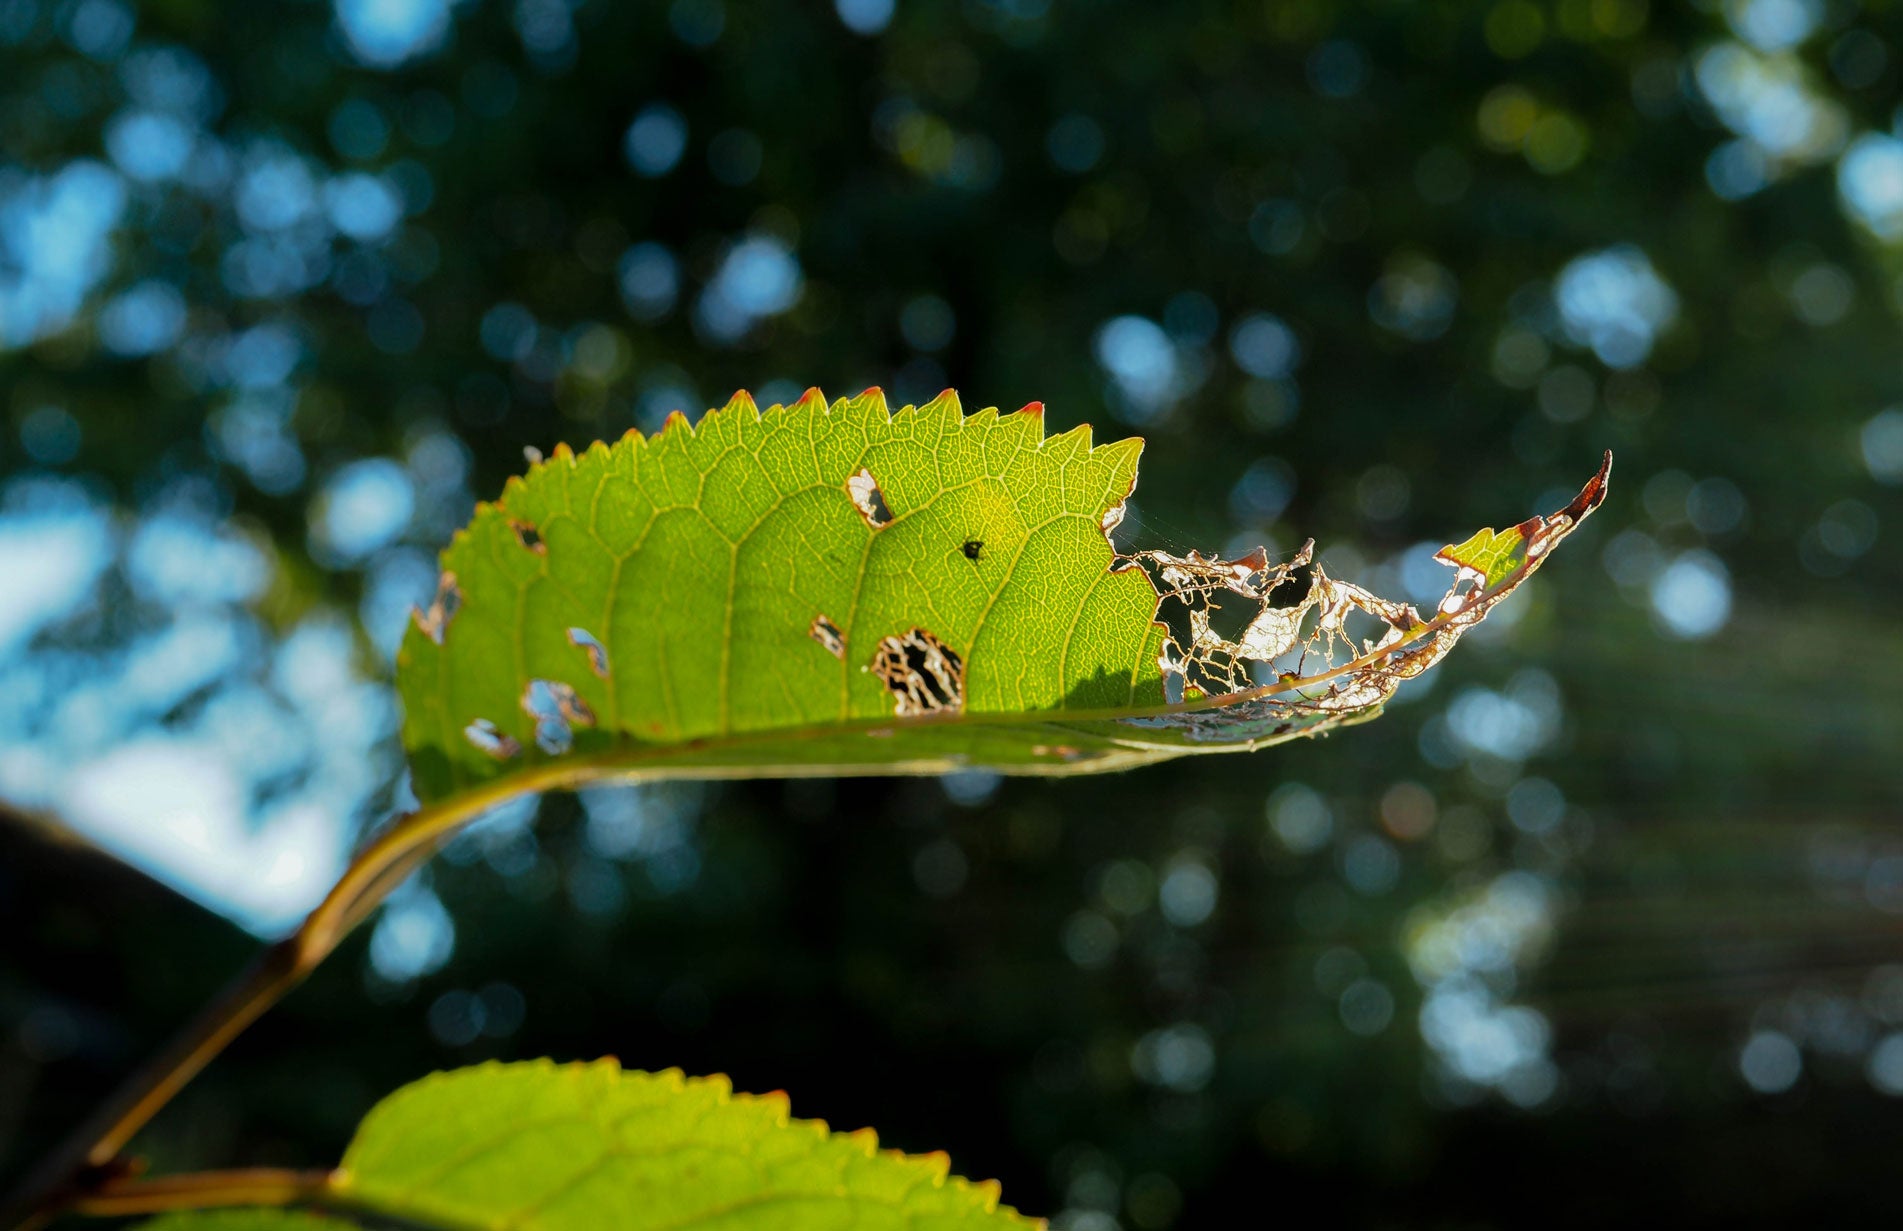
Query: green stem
205, 1190
86, 1163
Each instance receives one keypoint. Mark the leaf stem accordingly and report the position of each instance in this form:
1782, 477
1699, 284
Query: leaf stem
87, 1163
87, 1173
82, 1170
204, 1190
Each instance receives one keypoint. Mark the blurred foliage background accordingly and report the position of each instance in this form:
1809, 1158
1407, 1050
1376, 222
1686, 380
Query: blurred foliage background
1606, 917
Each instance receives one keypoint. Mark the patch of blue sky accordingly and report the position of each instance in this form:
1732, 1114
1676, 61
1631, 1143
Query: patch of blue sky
1774, 25
365, 207
758, 278
54, 545
649, 279
397, 583
276, 190
655, 140
1691, 596
253, 434
1870, 184
1771, 100
150, 146
164, 667
1148, 373
144, 319
55, 245
100, 29
180, 560
1615, 302
1263, 345
364, 507
246, 799
414, 935
865, 16
171, 79
385, 33
276, 266
261, 357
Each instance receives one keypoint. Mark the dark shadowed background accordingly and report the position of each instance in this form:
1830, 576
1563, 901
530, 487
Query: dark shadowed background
1604, 920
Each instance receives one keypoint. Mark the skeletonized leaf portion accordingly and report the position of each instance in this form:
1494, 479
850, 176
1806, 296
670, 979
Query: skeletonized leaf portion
539, 1146
1298, 644
832, 588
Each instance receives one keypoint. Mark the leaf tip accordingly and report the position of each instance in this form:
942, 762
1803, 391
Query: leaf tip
1080, 438
1594, 493
945, 403
938, 1163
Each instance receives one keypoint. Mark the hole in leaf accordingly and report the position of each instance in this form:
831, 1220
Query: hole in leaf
435, 621
557, 711
597, 653
974, 549
529, 537
868, 499
490, 740
827, 634
923, 674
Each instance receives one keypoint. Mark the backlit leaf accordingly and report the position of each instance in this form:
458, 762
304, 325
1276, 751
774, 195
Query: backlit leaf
832, 588
583, 1147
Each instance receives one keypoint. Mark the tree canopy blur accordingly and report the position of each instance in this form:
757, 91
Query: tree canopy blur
1605, 915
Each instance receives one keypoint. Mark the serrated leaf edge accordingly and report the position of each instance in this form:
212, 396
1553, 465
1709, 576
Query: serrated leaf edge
935, 1167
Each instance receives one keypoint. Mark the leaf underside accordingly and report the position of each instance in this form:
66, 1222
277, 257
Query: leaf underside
831, 588
538, 1146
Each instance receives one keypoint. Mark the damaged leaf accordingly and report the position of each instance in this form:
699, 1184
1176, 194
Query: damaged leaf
1318, 672
581, 1147
834, 588
923, 674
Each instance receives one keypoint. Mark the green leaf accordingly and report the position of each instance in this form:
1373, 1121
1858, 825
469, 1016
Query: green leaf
246, 1220
1491, 556
832, 588
544, 1147
812, 573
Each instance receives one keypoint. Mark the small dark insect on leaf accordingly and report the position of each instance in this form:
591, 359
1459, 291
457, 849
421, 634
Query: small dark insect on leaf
973, 549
